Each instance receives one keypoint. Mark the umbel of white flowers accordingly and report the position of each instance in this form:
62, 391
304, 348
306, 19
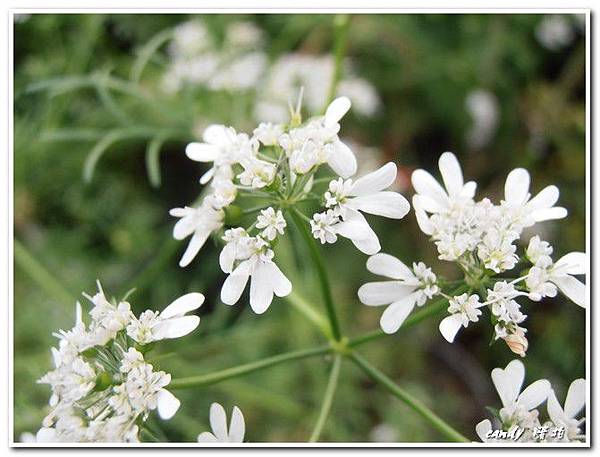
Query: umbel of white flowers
481, 238
102, 388
278, 164
519, 416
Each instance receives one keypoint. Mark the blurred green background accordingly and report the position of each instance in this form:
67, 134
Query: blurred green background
501, 91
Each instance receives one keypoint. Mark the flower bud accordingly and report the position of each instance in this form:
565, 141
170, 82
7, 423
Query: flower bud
517, 343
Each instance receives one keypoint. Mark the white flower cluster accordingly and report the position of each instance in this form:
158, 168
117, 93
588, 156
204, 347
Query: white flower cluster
519, 416
102, 387
482, 237
196, 59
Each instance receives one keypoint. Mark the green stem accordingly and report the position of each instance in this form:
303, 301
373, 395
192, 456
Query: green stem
428, 311
321, 273
304, 308
341, 24
415, 404
218, 376
327, 398
39, 274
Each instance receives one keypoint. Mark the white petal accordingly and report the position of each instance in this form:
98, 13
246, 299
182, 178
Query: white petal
451, 173
342, 160
235, 283
468, 190
572, 288
227, 257
549, 214
482, 429
202, 152
46, 435
575, 398
375, 181
336, 110
207, 437
196, 243
369, 245
357, 229
428, 204
389, 266
573, 263
450, 326
508, 382
383, 292
547, 197
184, 227
395, 314
426, 185
281, 284
175, 327
215, 134
386, 204
557, 415
237, 427
516, 188
207, 176
422, 219
168, 404
535, 394
183, 304
218, 422
261, 288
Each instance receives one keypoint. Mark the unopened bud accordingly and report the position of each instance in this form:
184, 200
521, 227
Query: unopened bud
517, 343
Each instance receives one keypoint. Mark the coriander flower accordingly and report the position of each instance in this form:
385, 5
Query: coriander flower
408, 288
272, 222
538, 250
518, 408
255, 263
463, 309
565, 417
223, 146
218, 423
543, 278
200, 223
525, 210
268, 133
327, 225
170, 323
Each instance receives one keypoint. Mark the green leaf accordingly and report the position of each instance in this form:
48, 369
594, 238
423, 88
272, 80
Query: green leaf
153, 160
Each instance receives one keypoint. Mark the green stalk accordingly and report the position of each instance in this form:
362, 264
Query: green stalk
218, 376
321, 273
415, 404
327, 398
304, 308
39, 274
341, 24
428, 311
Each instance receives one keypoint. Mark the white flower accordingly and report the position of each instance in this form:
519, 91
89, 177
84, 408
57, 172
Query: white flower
272, 222
463, 310
518, 408
200, 223
170, 323
323, 226
257, 173
432, 198
542, 278
482, 106
408, 288
267, 278
497, 252
574, 403
223, 146
538, 250
524, 210
224, 193
218, 424
363, 95
268, 133
502, 302
555, 32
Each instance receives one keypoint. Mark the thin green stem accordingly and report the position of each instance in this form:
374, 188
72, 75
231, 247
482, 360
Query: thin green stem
218, 376
341, 24
327, 398
304, 308
321, 273
428, 311
414, 403
39, 274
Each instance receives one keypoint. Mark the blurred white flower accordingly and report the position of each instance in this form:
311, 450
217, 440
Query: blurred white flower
555, 32
218, 423
482, 106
